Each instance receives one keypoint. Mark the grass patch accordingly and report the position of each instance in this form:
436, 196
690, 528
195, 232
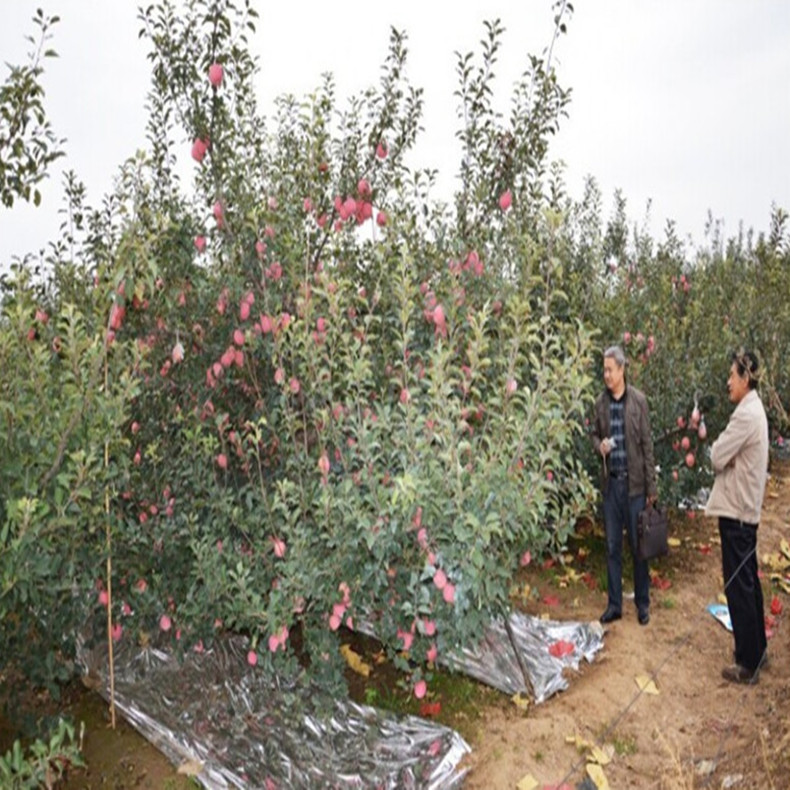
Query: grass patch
624, 745
462, 700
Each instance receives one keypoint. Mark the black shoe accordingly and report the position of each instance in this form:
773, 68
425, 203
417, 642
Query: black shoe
610, 615
643, 616
739, 674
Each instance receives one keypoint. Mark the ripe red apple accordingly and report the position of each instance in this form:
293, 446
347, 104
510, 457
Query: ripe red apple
215, 74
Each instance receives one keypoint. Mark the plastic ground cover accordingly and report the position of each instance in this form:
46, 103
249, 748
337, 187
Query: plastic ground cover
236, 727
493, 660
231, 726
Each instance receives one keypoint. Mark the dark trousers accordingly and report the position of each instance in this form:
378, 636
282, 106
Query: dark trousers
743, 591
620, 512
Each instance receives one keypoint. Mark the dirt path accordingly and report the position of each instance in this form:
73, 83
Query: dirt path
699, 731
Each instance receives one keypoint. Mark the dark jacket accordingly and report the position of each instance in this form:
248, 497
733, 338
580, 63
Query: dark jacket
638, 441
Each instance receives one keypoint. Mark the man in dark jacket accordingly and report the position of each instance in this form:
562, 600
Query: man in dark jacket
621, 434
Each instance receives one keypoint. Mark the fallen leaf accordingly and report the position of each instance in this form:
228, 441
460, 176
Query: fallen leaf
673, 542
774, 562
776, 606
520, 700
784, 547
190, 768
595, 772
704, 548
551, 600
705, 767
721, 598
430, 709
602, 756
646, 684
527, 782
354, 660
582, 744
561, 648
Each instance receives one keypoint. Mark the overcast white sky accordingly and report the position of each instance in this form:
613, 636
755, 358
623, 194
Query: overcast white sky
685, 102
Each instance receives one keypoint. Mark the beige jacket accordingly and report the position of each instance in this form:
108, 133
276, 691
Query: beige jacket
740, 463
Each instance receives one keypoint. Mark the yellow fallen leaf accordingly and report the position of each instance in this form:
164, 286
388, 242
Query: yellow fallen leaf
528, 783
523, 592
190, 768
595, 772
580, 743
646, 684
721, 598
521, 701
601, 756
354, 660
774, 561
674, 542
784, 547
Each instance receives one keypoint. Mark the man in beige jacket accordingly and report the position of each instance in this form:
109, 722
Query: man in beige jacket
740, 464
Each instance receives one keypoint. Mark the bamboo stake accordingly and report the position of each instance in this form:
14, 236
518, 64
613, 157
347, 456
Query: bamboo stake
109, 567
519, 658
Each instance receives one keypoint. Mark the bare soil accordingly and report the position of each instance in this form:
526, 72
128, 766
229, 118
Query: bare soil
699, 731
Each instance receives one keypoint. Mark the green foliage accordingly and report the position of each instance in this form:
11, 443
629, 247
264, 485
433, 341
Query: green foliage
44, 763
27, 143
679, 320
300, 395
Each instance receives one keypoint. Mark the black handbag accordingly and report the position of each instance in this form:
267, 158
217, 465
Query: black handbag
651, 533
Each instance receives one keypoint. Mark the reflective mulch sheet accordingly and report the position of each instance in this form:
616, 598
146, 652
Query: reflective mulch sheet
242, 729
547, 647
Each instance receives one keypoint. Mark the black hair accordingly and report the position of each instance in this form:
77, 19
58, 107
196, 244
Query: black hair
748, 366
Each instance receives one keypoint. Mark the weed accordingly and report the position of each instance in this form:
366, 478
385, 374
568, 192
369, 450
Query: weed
624, 745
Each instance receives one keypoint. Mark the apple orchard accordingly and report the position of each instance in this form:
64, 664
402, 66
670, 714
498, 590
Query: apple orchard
300, 393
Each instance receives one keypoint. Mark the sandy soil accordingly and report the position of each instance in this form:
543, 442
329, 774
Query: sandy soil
699, 730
